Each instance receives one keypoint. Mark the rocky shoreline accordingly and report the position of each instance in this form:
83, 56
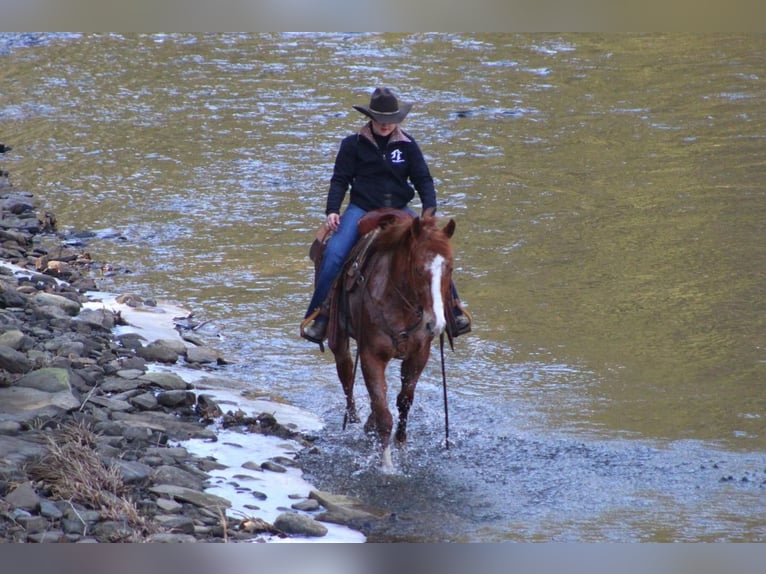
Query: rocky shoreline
89, 432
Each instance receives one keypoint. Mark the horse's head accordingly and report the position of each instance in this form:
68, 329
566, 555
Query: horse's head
431, 263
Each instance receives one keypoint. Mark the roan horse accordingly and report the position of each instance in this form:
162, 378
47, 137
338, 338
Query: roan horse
393, 296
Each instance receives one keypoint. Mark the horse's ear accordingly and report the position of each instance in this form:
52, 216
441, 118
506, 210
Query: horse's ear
449, 229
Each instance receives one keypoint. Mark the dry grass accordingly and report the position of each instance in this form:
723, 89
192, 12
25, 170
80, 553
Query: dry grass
73, 471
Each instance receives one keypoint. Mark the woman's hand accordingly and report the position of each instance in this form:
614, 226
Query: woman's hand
333, 220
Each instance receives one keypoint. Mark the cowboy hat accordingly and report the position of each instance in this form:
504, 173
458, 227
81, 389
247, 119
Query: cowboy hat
385, 107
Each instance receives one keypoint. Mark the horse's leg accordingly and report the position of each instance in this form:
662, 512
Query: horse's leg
374, 371
345, 367
412, 366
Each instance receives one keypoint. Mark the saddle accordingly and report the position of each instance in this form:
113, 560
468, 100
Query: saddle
352, 272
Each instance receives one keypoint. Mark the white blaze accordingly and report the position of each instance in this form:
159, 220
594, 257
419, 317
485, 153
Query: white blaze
437, 268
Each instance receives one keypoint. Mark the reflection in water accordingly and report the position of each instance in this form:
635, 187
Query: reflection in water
608, 196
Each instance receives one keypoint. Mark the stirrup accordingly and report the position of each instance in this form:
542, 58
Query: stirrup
311, 336
465, 328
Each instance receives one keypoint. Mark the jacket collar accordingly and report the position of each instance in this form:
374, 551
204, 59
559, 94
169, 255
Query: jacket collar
396, 136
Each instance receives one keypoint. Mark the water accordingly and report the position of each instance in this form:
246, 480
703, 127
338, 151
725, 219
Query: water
608, 196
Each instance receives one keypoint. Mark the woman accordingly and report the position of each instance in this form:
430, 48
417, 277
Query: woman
377, 163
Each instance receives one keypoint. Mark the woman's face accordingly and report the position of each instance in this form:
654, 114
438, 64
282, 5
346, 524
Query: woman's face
383, 129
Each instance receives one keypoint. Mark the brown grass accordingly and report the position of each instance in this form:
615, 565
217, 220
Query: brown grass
73, 471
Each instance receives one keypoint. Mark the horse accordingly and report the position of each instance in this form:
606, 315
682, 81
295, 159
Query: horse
393, 297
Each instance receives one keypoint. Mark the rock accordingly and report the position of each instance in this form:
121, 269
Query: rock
299, 524
96, 318
144, 401
9, 427
131, 471
169, 505
129, 374
13, 361
24, 404
273, 466
166, 381
119, 385
196, 497
177, 524
47, 536
176, 398
111, 404
158, 352
49, 510
345, 509
306, 505
52, 300
112, 531
171, 538
167, 474
33, 523
15, 339
24, 496
50, 380
202, 355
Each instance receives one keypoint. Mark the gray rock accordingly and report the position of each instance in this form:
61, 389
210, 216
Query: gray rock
70, 307
167, 474
273, 466
50, 380
111, 404
17, 450
49, 510
169, 505
71, 348
24, 496
299, 524
15, 339
131, 471
176, 524
24, 404
196, 497
306, 505
118, 385
13, 361
112, 531
202, 355
176, 398
158, 352
166, 381
171, 538
345, 509
10, 427
47, 537
96, 318
129, 374
144, 401
33, 523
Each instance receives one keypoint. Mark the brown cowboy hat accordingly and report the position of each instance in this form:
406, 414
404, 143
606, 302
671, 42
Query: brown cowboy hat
385, 107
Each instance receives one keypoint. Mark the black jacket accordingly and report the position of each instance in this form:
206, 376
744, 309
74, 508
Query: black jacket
380, 178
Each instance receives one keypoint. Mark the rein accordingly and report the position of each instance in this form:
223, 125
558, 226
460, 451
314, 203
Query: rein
444, 389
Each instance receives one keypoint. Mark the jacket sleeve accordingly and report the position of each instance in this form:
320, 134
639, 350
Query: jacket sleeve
420, 176
342, 175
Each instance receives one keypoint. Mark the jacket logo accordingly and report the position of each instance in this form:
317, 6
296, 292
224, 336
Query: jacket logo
396, 156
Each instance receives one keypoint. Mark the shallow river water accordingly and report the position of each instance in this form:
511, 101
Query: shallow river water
609, 198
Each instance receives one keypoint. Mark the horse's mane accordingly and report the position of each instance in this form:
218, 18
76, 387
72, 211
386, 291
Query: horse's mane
394, 235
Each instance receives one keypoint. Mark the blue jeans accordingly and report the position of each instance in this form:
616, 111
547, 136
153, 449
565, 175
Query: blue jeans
336, 251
